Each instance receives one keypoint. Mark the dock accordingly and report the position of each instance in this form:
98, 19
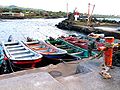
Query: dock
63, 76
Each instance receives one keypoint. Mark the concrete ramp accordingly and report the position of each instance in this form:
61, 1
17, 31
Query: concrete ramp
34, 81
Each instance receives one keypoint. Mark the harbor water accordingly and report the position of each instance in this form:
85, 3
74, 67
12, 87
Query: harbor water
39, 29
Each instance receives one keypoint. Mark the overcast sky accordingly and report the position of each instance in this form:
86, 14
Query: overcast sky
110, 7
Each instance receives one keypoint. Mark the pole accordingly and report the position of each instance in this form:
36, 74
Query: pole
67, 10
92, 10
88, 9
109, 52
88, 22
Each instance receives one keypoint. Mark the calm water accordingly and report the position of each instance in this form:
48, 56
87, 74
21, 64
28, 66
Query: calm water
34, 28
39, 29
109, 28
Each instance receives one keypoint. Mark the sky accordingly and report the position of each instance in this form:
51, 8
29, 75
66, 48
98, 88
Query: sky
104, 7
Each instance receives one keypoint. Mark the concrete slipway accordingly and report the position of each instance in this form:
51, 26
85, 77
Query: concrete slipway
44, 78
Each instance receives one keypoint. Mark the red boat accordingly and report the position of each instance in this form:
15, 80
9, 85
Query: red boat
83, 43
76, 41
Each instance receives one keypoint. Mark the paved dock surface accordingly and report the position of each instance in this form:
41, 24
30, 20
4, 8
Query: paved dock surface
41, 79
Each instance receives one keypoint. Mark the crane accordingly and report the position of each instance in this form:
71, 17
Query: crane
90, 14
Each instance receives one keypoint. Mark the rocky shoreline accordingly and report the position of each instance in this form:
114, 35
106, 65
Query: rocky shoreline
69, 25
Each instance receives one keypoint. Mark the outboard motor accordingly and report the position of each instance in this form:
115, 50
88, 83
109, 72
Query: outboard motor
29, 39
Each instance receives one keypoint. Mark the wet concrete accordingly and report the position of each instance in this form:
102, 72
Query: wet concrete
92, 79
33, 81
40, 78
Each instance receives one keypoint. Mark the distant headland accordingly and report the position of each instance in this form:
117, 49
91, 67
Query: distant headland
14, 12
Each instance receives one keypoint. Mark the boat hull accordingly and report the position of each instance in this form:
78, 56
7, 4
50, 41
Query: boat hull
54, 56
26, 63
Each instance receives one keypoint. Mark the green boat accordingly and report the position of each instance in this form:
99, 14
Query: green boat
3, 63
70, 48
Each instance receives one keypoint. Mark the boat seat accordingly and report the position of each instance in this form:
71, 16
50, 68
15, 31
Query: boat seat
24, 55
13, 49
26, 58
14, 46
37, 48
31, 45
19, 52
60, 46
11, 43
68, 49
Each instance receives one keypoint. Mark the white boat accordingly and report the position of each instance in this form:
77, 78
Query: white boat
19, 54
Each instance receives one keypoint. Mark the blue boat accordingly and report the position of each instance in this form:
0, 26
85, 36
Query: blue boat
47, 50
1, 56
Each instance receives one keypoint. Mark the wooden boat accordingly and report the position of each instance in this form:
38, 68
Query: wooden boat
98, 38
19, 54
47, 50
71, 49
83, 43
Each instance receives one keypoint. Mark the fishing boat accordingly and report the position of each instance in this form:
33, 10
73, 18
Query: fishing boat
70, 48
46, 49
98, 38
19, 54
82, 43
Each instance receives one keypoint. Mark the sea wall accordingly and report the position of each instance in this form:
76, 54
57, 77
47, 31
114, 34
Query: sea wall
11, 17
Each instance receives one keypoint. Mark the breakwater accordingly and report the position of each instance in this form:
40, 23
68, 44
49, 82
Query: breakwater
69, 25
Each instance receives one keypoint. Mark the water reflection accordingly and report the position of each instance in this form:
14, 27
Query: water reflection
106, 28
